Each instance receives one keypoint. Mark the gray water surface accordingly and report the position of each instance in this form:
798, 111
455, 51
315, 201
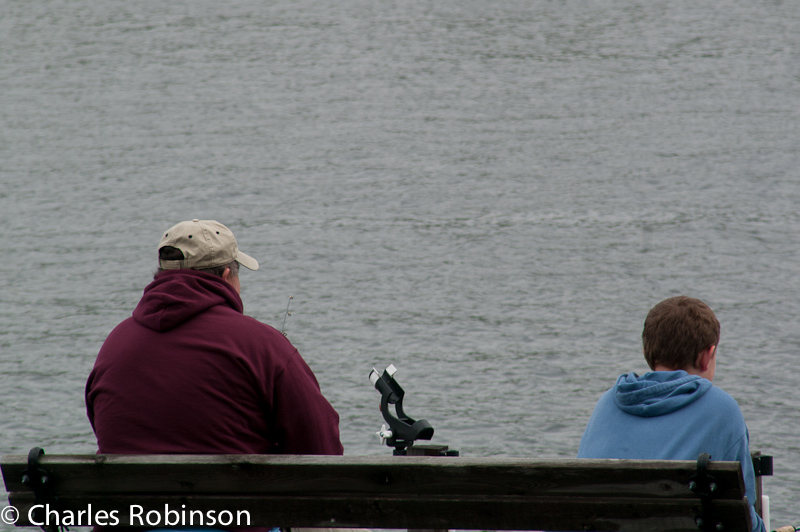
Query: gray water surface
490, 195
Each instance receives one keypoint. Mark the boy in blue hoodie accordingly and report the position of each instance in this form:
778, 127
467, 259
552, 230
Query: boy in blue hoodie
673, 412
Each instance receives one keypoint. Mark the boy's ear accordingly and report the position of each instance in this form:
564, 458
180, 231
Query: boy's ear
705, 357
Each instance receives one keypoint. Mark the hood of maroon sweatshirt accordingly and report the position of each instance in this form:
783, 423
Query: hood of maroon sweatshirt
176, 296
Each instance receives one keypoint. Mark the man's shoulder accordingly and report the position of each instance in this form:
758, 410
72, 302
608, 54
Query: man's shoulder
127, 326
256, 325
249, 330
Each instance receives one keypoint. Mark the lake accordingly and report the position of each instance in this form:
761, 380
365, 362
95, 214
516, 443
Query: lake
490, 195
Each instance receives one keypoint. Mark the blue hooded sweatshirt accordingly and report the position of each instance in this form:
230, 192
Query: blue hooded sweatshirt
670, 415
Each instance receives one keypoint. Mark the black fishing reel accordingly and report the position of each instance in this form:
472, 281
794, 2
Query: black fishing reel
402, 430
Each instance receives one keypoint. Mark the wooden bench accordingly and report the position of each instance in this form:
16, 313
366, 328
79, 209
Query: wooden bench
414, 492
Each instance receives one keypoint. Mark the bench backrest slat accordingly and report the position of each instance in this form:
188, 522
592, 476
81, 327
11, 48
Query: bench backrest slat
394, 492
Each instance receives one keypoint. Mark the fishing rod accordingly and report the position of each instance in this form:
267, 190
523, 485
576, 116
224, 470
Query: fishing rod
283, 327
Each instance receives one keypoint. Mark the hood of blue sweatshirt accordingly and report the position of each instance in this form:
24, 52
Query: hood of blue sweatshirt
658, 392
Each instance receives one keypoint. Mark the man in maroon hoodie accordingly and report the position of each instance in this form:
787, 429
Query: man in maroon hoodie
189, 373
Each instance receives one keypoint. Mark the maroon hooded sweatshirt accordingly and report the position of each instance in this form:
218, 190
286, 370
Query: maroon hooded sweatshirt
189, 373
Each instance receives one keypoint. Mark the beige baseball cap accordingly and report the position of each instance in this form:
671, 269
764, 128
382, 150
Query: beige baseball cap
204, 244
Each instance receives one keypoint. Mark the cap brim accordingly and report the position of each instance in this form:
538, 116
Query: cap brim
247, 261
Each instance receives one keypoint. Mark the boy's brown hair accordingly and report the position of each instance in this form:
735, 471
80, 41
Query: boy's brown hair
676, 331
